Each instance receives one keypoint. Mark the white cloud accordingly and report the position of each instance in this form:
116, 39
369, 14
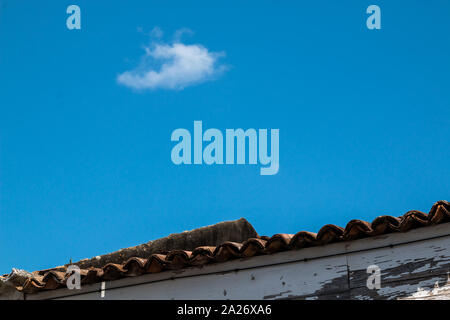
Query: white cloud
156, 32
173, 66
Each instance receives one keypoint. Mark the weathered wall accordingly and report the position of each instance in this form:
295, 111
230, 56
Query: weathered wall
413, 265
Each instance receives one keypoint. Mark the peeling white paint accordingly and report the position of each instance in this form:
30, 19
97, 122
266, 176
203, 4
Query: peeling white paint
437, 292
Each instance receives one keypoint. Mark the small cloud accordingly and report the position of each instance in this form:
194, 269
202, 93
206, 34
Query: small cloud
173, 66
156, 32
179, 33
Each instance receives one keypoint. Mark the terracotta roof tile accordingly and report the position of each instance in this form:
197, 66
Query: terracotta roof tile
279, 242
304, 239
228, 250
385, 224
330, 233
93, 275
253, 247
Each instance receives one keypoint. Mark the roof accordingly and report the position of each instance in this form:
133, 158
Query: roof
215, 244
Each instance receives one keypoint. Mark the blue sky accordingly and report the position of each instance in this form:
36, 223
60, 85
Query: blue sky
85, 167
